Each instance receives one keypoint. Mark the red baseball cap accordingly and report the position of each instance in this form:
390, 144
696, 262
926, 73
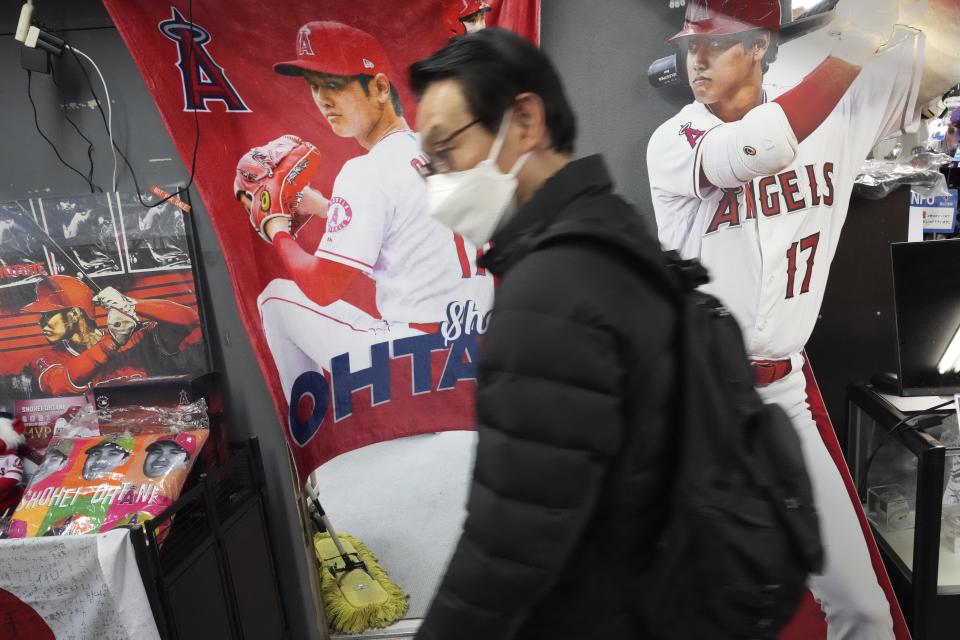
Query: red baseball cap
726, 17
55, 293
184, 440
336, 49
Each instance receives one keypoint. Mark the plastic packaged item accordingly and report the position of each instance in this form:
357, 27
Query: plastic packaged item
137, 420
879, 178
889, 508
140, 419
95, 484
81, 423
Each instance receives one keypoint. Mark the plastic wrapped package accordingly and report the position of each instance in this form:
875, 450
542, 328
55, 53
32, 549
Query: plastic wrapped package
88, 485
879, 178
135, 419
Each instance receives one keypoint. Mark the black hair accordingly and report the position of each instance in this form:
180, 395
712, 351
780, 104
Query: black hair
753, 37
364, 80
494, 66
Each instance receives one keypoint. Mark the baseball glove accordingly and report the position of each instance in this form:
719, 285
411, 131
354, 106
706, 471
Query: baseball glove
273, 177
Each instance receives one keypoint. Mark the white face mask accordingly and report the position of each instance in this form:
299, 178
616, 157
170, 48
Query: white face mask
475, 202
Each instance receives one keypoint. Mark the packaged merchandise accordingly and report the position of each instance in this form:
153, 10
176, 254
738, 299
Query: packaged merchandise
88, 485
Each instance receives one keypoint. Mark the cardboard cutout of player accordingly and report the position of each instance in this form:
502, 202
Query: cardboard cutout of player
757, 187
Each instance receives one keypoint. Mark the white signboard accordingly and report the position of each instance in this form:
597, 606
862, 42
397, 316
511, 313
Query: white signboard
939, 214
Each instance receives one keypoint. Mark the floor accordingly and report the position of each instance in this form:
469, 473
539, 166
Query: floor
405, 500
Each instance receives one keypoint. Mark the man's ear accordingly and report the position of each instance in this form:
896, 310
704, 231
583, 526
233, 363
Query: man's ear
381, 85
531, 116
761, 45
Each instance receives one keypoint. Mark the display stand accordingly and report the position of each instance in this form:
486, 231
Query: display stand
211, 575
908, 479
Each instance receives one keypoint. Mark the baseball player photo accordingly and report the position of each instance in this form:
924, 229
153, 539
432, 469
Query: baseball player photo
757, 186
84, 226
53, 461
81, 353
155, 237
104, 457
22, 259
167, 454
464, 16
377, 223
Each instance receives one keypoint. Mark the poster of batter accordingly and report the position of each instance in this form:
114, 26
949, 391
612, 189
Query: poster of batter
754, 176
72, 312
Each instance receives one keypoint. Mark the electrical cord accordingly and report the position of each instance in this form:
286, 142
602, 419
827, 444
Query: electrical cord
36, 122
60, 92
899, 427
196, 119
106, 92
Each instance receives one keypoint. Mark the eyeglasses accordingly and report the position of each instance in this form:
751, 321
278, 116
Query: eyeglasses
440, 154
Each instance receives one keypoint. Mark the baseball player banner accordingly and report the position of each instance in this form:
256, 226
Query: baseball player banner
364, 312
753, 176
93, 288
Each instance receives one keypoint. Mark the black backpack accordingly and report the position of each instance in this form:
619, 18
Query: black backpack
742, 534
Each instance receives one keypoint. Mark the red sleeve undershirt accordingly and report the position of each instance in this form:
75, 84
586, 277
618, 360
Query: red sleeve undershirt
809, 103
323, 281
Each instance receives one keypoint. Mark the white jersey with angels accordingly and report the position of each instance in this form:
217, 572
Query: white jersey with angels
768, 244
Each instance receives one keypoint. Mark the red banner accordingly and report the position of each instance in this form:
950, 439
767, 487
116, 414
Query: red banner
392, 354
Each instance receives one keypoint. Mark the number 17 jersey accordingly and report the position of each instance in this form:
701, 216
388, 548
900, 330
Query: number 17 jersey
768, 244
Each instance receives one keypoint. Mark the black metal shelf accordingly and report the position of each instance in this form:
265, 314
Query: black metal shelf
206, 560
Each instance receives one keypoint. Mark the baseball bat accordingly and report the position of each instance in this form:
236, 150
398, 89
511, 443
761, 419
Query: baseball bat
665, 71
59, 251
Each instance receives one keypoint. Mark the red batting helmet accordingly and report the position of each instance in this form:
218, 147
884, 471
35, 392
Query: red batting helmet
336, 49
454, 11
726, 17
62, 292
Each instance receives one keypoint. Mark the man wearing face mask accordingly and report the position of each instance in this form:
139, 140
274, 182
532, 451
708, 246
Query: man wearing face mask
577, 371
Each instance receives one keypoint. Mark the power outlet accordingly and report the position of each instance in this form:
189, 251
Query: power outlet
35, 60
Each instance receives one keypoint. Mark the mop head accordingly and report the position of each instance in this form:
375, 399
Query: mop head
356, 600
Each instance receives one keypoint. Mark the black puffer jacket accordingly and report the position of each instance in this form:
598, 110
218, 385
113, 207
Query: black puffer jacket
575, 389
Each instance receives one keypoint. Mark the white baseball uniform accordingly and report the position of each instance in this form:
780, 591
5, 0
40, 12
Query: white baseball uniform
377, 222
768, 246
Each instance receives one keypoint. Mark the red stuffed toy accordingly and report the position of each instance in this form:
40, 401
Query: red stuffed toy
11, 466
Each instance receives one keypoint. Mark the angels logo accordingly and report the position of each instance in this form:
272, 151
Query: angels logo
304, 47
693, 135
339, 215
203, 79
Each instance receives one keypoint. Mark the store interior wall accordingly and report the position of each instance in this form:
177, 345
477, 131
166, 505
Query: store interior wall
587, 40
30, 169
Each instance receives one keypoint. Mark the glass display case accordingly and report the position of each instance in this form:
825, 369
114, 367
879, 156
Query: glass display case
906, 465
